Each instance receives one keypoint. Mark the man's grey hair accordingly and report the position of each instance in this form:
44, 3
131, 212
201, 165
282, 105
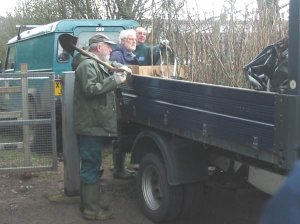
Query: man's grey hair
126, 33
93, 46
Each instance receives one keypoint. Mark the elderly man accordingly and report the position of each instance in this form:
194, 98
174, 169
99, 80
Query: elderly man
123, 52
145, 54
94, 119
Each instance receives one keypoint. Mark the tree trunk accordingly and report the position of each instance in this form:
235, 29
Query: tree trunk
268, 11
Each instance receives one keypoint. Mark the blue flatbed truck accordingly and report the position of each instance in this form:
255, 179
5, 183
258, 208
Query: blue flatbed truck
180, 132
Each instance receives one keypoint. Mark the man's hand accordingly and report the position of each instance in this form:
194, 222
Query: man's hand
126, 69
120, 77
164, 43
117, 67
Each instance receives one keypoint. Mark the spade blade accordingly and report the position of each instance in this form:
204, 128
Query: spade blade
68, 42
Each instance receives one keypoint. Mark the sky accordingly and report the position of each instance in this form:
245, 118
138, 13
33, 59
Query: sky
199, 5
216, 5
7, 5
211, 8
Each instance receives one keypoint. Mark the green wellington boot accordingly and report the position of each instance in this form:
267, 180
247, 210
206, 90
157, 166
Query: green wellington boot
90, 196
83, 203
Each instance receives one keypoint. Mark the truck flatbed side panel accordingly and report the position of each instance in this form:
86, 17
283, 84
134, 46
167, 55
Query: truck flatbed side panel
199, 124
243, 103
237, 120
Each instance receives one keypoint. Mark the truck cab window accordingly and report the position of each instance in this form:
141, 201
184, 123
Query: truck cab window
83, 38
10, 58
62, 55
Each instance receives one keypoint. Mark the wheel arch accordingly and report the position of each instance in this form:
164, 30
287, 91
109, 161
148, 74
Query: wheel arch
184, 160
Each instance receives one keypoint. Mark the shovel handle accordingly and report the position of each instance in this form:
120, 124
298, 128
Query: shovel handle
68, 42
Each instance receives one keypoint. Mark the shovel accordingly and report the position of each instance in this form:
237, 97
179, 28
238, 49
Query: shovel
68, 43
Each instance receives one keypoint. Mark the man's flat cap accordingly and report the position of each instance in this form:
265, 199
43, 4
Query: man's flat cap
100, 38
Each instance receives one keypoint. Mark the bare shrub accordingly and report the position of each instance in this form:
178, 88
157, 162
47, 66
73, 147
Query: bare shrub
215, 49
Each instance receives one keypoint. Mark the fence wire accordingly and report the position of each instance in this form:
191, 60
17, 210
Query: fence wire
27, 122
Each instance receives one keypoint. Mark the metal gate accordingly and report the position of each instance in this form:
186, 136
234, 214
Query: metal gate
27, 122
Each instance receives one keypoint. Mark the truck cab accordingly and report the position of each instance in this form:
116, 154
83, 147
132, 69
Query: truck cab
39, 49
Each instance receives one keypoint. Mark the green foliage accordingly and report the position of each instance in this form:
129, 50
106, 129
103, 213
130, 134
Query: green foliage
8, 25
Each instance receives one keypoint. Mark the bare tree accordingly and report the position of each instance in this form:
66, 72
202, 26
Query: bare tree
268, 11
214, 49
42, 11
125, 9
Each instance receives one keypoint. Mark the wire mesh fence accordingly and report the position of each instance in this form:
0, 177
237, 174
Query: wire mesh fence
27, 122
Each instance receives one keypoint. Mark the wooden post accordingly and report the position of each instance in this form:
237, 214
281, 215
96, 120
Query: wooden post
25, 115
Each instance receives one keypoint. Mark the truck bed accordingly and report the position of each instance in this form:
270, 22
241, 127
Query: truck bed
236, 120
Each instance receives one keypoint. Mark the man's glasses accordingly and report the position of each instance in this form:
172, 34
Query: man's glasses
142, 33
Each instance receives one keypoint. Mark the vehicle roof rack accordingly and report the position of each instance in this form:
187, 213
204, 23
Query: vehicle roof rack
24, 28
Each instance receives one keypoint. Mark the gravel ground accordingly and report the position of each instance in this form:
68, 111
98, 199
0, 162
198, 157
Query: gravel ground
40, 200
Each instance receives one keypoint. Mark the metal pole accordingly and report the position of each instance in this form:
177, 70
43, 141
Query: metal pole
53, 122
70, 149
294, 50
287, 106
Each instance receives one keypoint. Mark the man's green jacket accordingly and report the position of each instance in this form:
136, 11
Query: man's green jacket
144, 52
94, 99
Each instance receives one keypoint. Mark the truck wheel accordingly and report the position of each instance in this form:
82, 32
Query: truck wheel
159, 200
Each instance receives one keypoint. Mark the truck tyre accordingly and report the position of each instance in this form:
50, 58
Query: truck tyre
159, 200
